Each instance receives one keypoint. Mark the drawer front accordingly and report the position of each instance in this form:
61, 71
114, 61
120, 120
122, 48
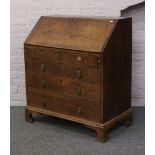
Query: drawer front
72, 57
64, 86
64, 105
91, 75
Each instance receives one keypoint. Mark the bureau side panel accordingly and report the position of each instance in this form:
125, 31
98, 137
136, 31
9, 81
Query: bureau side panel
117, 62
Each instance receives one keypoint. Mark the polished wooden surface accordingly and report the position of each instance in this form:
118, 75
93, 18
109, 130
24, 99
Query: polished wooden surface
83, 76
74, 71
82, 34
64, 56
65, 105
64, 86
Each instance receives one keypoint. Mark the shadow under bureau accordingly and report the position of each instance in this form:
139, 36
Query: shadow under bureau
79, 69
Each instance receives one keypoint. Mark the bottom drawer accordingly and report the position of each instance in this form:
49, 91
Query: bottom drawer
64, 105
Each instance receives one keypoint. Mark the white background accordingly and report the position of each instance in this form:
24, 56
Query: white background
5, 77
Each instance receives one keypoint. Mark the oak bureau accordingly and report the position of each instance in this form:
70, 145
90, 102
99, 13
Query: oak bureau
79, 69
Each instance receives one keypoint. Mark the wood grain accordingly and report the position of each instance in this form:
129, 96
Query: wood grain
79, 69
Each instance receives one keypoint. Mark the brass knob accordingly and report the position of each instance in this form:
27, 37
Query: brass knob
43, 67
79, 91
73, 21
43, 83
78, 73
44, 103
78, 58
79, 110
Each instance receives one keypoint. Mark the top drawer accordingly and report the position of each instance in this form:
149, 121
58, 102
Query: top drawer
59, 56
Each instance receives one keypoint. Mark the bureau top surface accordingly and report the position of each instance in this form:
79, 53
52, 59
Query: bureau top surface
76, 33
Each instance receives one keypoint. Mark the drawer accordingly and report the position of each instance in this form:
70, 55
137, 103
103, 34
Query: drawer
64, 86
91, 75
64, 105
59, 56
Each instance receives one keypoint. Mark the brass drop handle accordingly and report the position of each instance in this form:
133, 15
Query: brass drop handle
79, 91
78, 73
79, 110
44, 103
43, 83
73, 21
43, 67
